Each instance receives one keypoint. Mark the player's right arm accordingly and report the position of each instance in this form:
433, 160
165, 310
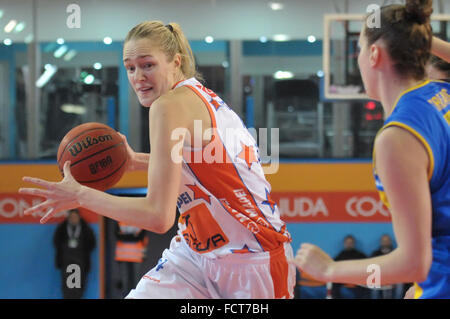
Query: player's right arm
155, 212
402, 164
441, 49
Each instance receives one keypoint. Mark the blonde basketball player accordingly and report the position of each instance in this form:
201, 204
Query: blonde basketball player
231, 241
411, 159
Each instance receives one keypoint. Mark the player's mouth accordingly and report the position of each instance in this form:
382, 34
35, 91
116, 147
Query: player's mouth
144, 90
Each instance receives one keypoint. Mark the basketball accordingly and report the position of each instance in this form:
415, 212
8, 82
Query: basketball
97, 155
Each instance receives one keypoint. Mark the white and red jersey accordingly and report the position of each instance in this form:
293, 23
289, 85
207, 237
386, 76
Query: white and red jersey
224, 198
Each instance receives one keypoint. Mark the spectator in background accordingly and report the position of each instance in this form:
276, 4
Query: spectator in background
130, 253
349, 252
74, 241
385, 246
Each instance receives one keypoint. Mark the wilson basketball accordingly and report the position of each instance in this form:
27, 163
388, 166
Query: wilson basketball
97, 155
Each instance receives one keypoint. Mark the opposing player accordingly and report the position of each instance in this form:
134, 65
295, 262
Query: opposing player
441, 49
231, 241
411, 158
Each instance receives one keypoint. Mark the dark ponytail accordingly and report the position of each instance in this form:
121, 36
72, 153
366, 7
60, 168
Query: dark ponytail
419, 11
406, 31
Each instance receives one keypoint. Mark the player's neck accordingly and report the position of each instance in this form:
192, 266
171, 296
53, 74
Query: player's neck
391, 89
179, 77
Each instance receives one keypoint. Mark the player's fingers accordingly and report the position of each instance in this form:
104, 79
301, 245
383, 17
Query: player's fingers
303, 251
64, 205
291, 261
37, 181
37, 208
66, 169
299, 262
47, 216
35, 192
307, 246
124, 138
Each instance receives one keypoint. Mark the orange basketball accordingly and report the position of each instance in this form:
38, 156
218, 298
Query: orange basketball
97, 155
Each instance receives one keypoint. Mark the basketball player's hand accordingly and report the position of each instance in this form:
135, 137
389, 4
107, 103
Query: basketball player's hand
59, 196
136, 161
314, 262
130, 152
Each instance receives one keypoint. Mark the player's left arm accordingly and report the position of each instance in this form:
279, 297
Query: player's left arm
402, 165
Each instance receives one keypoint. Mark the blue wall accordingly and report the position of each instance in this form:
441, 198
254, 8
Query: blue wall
330, 236
27, 266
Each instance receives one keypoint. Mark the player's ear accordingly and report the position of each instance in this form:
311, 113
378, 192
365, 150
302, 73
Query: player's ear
177, 60
374, 55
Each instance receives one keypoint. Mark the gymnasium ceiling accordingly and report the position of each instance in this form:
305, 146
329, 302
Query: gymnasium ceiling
222, 19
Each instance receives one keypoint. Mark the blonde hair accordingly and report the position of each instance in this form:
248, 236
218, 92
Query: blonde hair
171, 40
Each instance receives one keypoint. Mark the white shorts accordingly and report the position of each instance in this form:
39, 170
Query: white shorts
184, 274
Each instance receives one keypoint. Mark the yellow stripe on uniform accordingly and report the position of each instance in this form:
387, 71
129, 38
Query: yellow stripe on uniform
409, 90
418, 291
447, 116
424, 142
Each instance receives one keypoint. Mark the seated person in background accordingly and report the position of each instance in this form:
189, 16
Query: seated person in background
349, 252
385, 246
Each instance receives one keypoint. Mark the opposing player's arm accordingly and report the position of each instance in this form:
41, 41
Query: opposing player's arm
156, 211
402, 164
441, 49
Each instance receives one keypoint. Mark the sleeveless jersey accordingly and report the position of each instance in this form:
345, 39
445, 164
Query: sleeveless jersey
424, 111
224, 199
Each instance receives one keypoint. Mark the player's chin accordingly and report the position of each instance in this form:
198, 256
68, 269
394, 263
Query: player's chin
146, 101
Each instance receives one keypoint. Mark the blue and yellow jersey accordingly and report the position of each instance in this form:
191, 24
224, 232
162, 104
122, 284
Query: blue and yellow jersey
424, 111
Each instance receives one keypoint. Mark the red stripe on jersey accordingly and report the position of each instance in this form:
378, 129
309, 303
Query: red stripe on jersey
279, 270
218, 174
211, 113
223, 181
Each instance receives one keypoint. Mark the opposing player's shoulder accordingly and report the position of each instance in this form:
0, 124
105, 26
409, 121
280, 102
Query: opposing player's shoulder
397, 144
392, 139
